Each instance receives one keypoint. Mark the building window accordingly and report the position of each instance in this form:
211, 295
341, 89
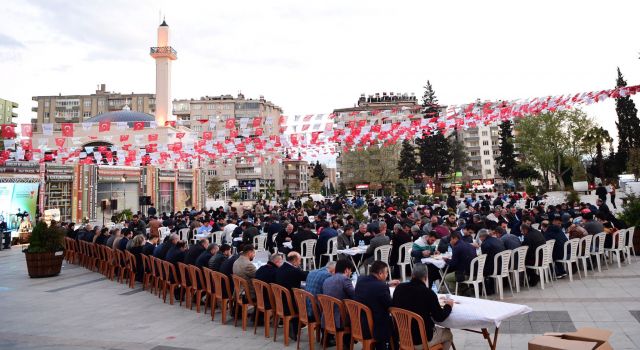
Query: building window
485, 133
473, 144
474, 153
46, 104
487, 162
101, 102
212, 172
226, 172
86, 114
476, 173
211, 106
87, 103
486, 152
488, 171
485, 143
196, 107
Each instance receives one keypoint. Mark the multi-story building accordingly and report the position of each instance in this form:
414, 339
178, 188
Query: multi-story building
482, 146
373, 168
78, 108
296, 176
6, 111
210, 113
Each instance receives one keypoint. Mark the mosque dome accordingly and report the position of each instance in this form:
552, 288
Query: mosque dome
125, 115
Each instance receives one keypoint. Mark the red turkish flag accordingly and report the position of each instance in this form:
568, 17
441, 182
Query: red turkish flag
180, 135
171, 123
104, 126
177, 147
258, 131
207, 135
230, 123
27, 130
60, 142
67, 129
124, 138
283, 120
7, 131
375, 128
305, 127
233, 133
152, 137
102, 149
294, 139
138, 126
151, 148
25, 144
257, 121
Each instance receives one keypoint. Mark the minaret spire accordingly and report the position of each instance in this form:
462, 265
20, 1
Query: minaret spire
163, 54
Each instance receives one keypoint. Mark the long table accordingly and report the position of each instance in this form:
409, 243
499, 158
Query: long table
470, 314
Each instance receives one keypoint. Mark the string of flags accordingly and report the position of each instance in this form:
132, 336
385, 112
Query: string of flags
262, 139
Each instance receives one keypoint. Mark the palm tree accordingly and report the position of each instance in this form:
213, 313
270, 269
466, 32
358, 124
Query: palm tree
598, 137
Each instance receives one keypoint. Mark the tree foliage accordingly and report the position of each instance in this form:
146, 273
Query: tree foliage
315, 185
596, 138
214, 187
506, 160
430, 107
407, 166
435, 154
628, 124
553, 142
459, 155
318, 172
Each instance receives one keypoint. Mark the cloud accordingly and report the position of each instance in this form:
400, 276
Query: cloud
9, 42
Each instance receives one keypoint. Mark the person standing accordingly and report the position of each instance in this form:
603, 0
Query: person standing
611, 189
601, 192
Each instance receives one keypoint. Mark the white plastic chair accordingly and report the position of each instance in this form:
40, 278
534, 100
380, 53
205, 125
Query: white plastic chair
476, 276
518, 258
501, 264
541, 265
550, 244
404, 259
332, 250
571, 256
308, 248
382, 254
617, 246
629, 244
183, 232
260, 243
597, 249
216, 237
584, 252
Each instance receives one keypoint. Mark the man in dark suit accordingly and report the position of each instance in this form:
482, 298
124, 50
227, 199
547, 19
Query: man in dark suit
273, 227
195, 250
460, 262
416, 297
555, 232
490, 246
532, 239
150, 245
267, 273
290, 276
326, 234
379, 240
304, 233
177, 253
205, 256
372, 291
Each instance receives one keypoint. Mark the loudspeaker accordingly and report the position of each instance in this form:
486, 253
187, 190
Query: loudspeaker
147, 200
114, 204
144, 200
104, 204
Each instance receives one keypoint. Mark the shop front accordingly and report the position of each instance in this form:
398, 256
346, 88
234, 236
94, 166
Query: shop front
118, 189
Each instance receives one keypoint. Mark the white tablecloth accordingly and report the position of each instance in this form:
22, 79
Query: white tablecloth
481, 313
354, 251
439, 263
287, 245
202, 235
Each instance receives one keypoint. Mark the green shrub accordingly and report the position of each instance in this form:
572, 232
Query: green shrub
572, 197
631, 211
46, 239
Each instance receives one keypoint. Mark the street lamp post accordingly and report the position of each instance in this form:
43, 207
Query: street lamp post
123, 180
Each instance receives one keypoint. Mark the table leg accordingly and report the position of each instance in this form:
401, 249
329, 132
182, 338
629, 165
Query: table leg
442, 274
492, 344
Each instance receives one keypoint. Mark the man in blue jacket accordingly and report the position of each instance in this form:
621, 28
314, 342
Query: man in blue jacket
459, 263
555, 232
372, 291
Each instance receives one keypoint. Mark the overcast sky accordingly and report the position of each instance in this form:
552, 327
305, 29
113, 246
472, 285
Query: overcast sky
312, 57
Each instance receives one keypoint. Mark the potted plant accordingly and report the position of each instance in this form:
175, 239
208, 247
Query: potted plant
46, 250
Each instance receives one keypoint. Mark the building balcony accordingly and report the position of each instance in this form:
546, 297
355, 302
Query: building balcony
244, 166
67, 120
291, 171
163, 51
34, 109
290, 181
472, 138
248, 176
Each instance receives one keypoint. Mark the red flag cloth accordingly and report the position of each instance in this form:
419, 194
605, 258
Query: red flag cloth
104, 126
124, 138
294, 139
375, 128
328, 126
307, 117
305, 127
60, 142
230, 123
171, 123
207, 135
258, 131
256, 122
67, 129
102, 149
152, 137
25, 144
151, 148
137, 126
26, 130
7, 131
202, 121
180, 135
283, 120
233, 133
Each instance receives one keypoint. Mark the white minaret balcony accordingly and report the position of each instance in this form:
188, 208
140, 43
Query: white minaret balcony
163, 51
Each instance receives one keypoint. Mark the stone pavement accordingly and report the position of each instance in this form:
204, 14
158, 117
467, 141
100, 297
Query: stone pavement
80, 309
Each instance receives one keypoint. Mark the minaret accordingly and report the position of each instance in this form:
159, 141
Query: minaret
163, 54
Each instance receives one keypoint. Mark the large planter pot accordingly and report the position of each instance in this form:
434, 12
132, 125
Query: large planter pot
44, 264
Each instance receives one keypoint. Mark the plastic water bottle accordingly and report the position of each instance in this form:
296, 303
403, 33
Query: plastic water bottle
434, 287
449, 250
354, 278
361, 244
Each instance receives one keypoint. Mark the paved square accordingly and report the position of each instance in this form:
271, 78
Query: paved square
80, 309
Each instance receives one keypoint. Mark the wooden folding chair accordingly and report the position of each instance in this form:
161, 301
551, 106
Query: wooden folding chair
403, 320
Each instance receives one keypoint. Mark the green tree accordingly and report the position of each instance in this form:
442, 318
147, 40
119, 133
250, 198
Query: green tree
553, 142
342, 189
435, 155
525, 172
459, 156
318, 172
315, 185
507, 158
597, 137
430, 107
628, 125
407, 163
214, 186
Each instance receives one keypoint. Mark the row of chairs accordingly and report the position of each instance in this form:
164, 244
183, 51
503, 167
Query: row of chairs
273, 301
